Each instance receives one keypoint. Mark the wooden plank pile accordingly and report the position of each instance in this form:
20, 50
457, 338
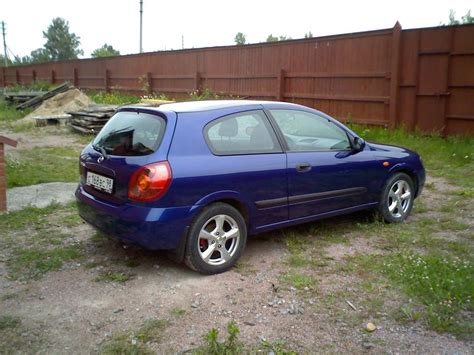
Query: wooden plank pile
91, 119
37, 100
15, 98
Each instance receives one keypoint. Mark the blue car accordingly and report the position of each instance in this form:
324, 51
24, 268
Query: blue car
196, 178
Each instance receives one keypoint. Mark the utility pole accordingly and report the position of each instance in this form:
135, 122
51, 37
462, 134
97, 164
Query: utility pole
141, 26
5, 58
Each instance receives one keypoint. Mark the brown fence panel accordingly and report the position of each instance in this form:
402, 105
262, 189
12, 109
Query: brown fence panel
422, 78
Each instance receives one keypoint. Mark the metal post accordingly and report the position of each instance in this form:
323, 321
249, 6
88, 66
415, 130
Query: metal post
141, 26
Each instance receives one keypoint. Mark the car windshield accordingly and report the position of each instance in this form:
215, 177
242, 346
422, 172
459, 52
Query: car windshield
130, 134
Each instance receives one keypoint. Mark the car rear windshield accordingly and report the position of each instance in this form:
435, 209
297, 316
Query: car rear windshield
130, 134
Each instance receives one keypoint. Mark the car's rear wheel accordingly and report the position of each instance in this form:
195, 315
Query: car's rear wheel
216, 239
397, 198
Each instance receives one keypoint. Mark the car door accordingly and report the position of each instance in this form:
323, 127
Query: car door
324, 173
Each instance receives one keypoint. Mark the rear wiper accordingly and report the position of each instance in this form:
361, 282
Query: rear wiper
100, 149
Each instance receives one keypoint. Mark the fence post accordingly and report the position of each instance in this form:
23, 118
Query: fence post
149, 83
107, 80
33, 75
395, 75
280, 87
197, 83
53, 77
17, 75
75, 78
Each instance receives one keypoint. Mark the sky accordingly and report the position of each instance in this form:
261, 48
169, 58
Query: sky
207, 23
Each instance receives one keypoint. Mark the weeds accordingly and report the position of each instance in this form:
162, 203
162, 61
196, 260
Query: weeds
177, 312
113, 98
231, 346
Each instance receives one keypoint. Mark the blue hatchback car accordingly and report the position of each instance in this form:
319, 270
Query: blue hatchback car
197, 178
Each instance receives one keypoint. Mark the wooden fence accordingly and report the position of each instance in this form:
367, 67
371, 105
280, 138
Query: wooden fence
420, 78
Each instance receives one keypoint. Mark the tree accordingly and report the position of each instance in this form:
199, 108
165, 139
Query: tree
60, 43
308, 35
40, 55
464, 19
105, 51
240, 39
272, 38
2, 61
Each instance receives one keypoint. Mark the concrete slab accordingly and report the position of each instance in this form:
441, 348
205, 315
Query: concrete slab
41, 195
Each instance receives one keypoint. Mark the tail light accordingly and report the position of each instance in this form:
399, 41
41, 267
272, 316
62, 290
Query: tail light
150, 182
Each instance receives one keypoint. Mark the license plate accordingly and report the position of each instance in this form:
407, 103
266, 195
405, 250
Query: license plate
100, 182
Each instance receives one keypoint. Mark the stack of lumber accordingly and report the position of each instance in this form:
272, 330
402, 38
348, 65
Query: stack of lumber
20, 97
37, 100
92, 118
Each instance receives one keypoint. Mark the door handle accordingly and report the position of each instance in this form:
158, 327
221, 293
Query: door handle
303, 167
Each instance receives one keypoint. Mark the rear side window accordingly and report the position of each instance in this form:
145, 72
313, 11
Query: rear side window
131, 134
242, 133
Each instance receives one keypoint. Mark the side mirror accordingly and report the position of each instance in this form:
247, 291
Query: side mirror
358, 144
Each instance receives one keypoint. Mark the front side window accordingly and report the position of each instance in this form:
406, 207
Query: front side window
241, 133
131, 133
304, 131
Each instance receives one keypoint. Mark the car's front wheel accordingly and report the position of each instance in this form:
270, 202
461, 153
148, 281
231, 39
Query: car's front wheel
216, 239
397, 198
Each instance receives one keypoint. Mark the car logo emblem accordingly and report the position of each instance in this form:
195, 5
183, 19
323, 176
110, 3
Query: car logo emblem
100, 159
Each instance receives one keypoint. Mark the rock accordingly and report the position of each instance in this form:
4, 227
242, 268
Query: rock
240, 289
118, 310
370, 327
156, 266
367, 345
249, 323
194, 305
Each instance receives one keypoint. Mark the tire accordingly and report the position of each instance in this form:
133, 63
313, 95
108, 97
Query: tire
397, 198
216, 239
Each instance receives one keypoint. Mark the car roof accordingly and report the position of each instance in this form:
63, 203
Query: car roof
209, 105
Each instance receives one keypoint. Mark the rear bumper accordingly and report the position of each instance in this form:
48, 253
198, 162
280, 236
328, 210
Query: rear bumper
151, 228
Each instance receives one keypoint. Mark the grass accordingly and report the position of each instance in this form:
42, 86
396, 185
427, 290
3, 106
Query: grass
7, 321
451, 157
136, 342
113, 276
298, 280
8, 113
32, 263
34, 244
41, 165
16, 338
445, 285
